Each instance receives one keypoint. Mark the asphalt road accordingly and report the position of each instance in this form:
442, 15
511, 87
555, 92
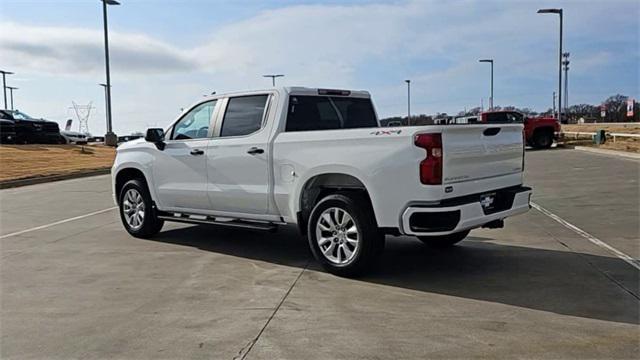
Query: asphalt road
83, 288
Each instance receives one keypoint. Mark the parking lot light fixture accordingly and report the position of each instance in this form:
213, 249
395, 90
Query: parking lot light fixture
408, 102
4, 85
273, 78
491, 98
559, 12
110, 138
11, 88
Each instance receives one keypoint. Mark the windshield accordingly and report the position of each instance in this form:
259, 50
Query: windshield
20, 115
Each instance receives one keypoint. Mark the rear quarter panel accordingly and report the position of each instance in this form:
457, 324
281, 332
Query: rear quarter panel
384, 160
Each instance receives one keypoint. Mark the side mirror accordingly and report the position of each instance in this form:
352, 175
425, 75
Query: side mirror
156, 136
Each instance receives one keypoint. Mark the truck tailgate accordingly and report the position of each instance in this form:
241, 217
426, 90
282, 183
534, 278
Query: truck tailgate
473, 152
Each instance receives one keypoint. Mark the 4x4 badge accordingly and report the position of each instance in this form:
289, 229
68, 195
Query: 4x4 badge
386, 132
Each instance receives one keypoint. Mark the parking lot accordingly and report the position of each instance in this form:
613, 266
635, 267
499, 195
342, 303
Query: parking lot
74, 284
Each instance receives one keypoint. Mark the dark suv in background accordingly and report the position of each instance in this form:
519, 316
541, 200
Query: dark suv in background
7, 132
29, 130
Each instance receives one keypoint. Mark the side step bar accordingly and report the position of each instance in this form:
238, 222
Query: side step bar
202, 219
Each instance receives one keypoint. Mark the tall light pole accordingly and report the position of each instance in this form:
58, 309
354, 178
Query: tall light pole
11, 88
565, 64
4, 85
491, 98
273, 78
105, 98
408, 102
559, 12
109, 138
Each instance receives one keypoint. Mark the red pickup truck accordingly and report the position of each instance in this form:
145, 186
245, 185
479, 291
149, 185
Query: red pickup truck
539, 132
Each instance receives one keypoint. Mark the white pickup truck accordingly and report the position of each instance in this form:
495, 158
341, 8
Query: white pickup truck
317, 158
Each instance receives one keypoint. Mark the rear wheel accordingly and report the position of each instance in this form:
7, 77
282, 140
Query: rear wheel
343, 235
444, 241
542, 139
136, 210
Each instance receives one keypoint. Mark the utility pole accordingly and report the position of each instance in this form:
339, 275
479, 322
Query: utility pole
273, 78
408, 102
110, 138
491, 98
565, 64
11, 88
559, 12
554, 103
4, 85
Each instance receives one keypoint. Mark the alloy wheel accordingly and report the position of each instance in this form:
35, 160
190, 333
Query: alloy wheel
133, 209
337, 235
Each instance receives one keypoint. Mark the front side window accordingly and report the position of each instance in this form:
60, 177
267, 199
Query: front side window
244, 115
329, 112
21, 116
195, 124
515, 117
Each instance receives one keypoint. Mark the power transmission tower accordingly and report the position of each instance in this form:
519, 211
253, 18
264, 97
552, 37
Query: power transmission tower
82, 113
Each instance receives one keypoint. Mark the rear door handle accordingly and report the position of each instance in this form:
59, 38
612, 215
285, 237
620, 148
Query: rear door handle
197, 152
254, 150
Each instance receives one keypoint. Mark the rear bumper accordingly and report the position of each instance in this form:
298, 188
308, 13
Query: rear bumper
462, 214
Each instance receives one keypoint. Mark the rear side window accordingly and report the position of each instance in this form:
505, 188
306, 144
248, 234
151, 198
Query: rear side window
497, 118
243, 115
329, 112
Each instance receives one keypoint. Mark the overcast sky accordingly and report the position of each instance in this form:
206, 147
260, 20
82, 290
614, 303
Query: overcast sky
168, 53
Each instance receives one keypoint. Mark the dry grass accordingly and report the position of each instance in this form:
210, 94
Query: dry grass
621, 144
622, 128
27, 161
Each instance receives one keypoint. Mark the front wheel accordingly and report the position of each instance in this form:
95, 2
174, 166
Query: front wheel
444, 241
136, 210
542, 139
343, 235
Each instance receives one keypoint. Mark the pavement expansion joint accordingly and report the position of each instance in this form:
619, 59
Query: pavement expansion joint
242, 354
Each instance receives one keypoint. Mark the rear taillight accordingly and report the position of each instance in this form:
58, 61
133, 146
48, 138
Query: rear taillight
431, 166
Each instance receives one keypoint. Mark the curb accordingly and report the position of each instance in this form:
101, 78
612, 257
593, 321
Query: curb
50, 178
609, 152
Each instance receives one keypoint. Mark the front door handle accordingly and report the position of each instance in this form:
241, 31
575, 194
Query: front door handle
254, 150
197, 152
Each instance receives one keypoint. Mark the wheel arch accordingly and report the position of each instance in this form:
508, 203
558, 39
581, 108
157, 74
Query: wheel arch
545, 128
320, 185
128, 173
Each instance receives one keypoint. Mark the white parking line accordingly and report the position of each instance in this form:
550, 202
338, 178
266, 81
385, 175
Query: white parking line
630, 260
57, 223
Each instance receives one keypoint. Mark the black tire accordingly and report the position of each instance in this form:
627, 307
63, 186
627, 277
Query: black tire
542, 139
150, 224
369, 238
444, 241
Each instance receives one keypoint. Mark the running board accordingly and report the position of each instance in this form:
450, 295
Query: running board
203, 219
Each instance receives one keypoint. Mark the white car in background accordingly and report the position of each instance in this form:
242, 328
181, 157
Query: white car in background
318, 159
73, 137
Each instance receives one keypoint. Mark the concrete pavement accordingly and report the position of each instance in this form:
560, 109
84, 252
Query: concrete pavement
535, 289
